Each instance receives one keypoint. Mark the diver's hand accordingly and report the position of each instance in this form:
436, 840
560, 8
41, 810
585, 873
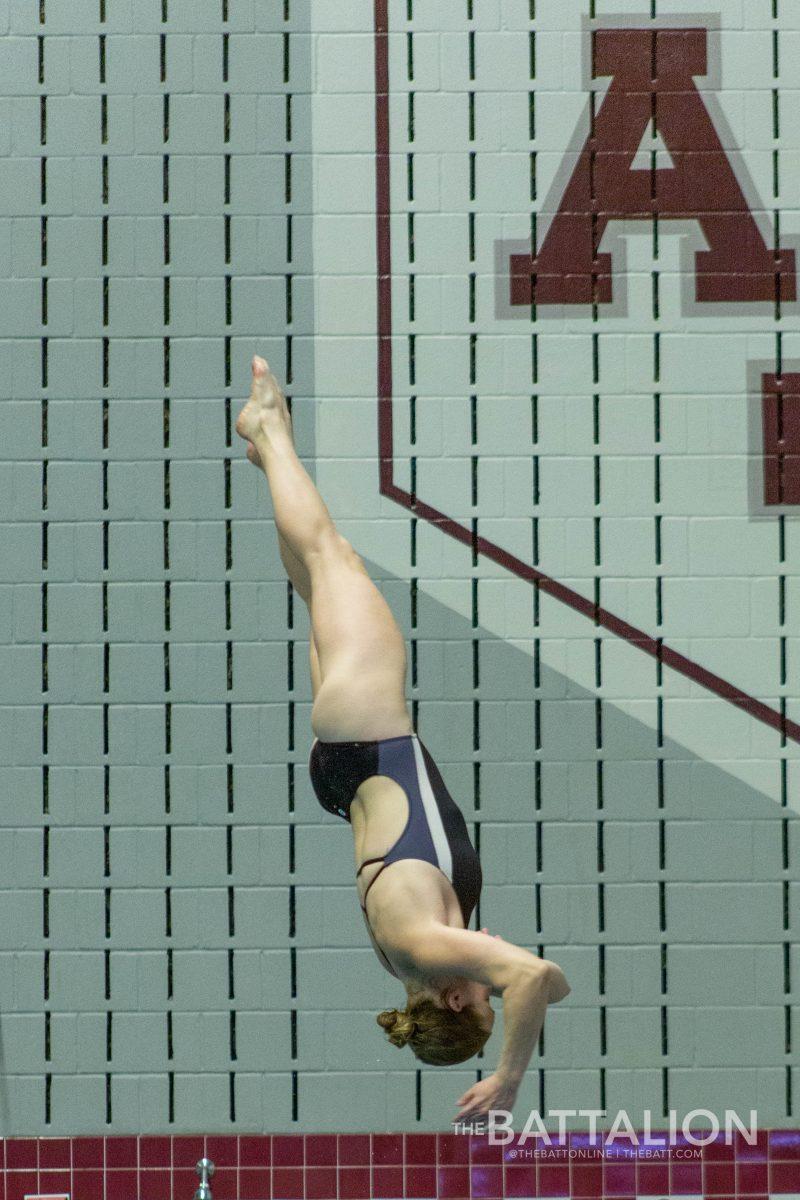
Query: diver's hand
493, 1092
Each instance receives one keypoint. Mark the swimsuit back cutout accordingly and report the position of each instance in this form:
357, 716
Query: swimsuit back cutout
435, 831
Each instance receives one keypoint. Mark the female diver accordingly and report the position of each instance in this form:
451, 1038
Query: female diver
369, 766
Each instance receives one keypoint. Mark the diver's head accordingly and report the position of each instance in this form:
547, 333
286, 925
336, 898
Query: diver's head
444, 1022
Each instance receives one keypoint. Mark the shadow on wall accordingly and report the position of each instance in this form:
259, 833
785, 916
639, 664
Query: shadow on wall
655, 879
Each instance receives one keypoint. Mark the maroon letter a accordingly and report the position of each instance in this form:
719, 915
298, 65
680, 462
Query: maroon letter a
652, 78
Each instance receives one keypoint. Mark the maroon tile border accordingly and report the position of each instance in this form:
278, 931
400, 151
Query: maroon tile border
393, 1166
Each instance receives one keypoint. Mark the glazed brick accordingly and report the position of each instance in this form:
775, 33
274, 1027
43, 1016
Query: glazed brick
354, 1183
718, 1151
287, 1150
481, 1150
353, 1149
784, 1144
89, 1185
255, 1150
488, 1182
719, 1178
387, 1148
184, 1179
619, 1178
752, 1177
223, 1151
420, 1147
287, 1183
320, 1150
156, 1185
225, 1183
156, 1151
255, 1183
553, 1179
420, 1182
387, 1182
19, 1183
652, 1179
187, 1151
54, 1152
587, 1179
521, 1181
784, 1177
453, 1183
54, 1181
743, 1149
452, 1148
685, 1177
89, 1152
124, 1184
21, 1153
320, 1183
124, 1152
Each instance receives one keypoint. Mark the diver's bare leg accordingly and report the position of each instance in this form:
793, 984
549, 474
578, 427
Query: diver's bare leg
360, 650
298, 575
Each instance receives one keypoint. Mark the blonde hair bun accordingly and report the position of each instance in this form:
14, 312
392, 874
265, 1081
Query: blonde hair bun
399, 1026
436, 1033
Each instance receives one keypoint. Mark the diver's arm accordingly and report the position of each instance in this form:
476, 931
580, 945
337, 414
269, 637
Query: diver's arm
439, 949
525, 1000
526, 983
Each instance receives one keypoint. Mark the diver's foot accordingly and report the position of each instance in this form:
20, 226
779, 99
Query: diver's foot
266, 411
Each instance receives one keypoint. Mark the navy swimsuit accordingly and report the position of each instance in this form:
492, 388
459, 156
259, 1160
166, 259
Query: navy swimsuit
435, 832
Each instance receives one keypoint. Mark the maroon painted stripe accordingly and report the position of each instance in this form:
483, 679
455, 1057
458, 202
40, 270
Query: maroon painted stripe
383, 209
655, 647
